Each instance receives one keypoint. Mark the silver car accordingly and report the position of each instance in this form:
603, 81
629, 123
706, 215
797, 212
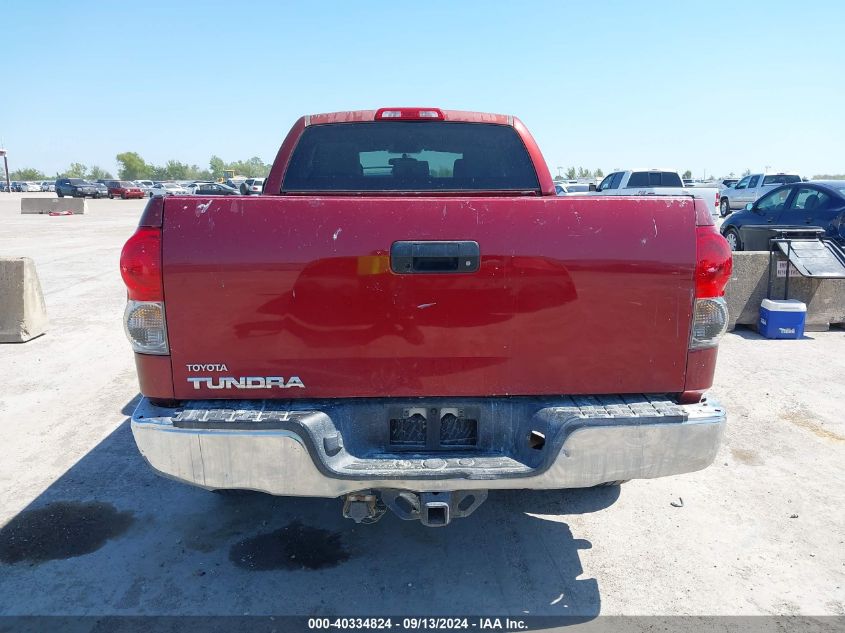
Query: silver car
252, 186
146, 186
169, 189
751, 188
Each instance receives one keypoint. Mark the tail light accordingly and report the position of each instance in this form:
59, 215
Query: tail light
140, 267
712, 272
140, 264
145, 327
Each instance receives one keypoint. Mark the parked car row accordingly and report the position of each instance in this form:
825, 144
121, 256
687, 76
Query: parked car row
202, 188
27, 186
772, 198
126, 189
249, 186
78, 188
664, 182
816, 203
751, 188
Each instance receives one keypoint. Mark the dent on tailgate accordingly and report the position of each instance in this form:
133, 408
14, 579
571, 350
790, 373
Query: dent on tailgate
573, 295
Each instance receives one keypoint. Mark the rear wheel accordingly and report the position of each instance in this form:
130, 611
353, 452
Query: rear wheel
111, 197
732, 236
60, 194
724, 207
123, 196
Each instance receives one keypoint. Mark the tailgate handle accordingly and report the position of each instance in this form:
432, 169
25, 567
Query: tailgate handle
413, 257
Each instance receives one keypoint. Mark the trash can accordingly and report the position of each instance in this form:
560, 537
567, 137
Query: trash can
782, 318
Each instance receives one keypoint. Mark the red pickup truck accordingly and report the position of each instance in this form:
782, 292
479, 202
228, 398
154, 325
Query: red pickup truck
409, 317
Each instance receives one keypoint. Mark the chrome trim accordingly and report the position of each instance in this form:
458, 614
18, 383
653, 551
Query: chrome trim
278, 462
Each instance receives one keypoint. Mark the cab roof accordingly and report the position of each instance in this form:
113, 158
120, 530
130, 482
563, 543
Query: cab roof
461, 116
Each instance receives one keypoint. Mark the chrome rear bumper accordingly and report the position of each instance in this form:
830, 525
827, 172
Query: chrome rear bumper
326, 449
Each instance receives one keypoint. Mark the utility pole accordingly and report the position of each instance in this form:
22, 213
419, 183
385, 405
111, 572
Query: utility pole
6, 167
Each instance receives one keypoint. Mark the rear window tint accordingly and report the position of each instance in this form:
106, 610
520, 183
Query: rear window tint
410, 156
654, 179
809, 199
780, 179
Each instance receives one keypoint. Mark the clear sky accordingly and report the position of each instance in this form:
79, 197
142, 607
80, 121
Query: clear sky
691, 85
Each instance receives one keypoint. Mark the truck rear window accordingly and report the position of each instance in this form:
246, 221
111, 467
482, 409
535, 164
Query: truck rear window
654, 179
410, 156
780, 179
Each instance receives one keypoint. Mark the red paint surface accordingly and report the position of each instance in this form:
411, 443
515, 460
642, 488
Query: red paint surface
154, 376
574, 295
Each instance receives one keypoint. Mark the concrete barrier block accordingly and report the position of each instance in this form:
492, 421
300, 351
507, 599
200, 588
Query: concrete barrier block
23, 314
825, 298
77, 206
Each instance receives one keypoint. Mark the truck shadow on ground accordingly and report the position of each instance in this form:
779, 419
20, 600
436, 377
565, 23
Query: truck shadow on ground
111, 537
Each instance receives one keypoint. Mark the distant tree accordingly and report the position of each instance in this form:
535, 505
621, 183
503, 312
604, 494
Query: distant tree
200, 174
598, 173
747, 172
731, 175
829, 177
254, 167
132, 166
216, 167
177, 171
584, 173
76, 170
687, 175
98, 173
571, 174
27, 173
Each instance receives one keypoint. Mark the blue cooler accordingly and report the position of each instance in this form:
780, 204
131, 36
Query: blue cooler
782, 318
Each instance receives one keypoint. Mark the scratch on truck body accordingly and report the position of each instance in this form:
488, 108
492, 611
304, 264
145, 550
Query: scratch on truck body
202, 208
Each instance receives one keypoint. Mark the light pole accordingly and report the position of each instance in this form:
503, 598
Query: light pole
6, 168
558, 172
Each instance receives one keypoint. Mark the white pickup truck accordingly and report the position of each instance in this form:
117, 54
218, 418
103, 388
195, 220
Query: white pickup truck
751, 188
643, 182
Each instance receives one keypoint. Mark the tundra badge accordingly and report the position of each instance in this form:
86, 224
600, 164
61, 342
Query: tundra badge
247, 382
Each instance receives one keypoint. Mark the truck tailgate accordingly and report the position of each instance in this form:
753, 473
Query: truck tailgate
573, 295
